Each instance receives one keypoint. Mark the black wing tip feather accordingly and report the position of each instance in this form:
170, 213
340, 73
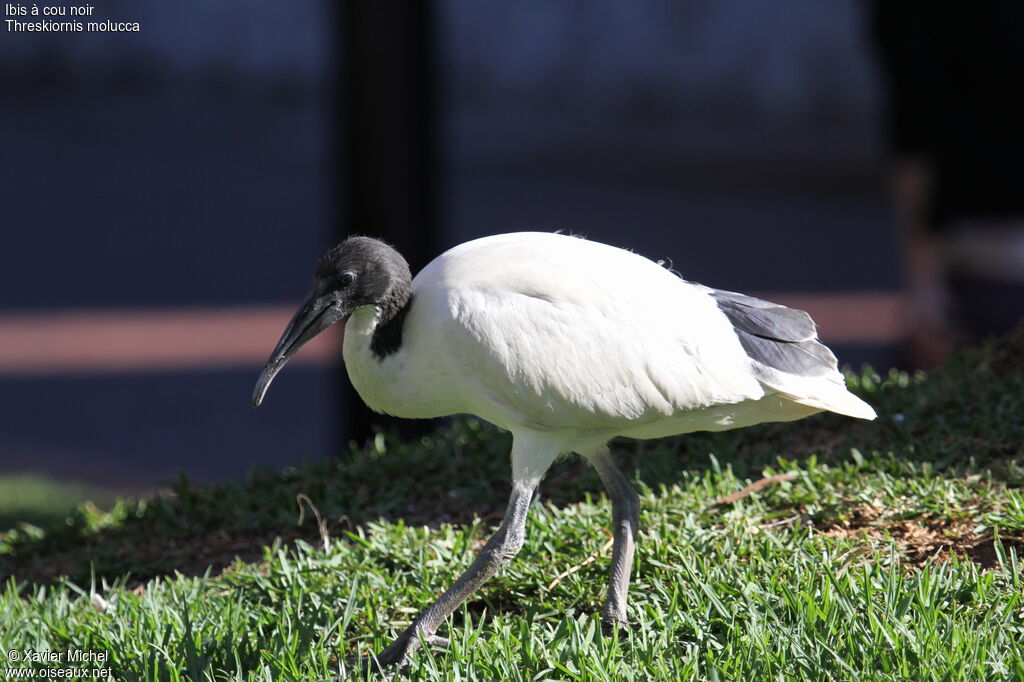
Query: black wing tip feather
800, 358
784, 339
764, 318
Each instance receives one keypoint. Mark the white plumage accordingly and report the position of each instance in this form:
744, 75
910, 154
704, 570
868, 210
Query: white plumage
566, 343
552, 332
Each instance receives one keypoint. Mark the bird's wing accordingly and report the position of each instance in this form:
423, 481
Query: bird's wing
588, 337
775, 336
786, 355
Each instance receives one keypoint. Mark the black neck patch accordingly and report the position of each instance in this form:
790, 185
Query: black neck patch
387, 337
364, 271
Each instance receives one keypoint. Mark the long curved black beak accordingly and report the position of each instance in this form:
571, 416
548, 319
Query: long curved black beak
317, 313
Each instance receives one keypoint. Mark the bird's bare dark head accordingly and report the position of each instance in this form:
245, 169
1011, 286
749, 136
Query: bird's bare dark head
358, 272
363, 271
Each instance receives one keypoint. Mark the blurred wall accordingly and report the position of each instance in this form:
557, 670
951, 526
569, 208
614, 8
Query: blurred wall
185, 174
794, 63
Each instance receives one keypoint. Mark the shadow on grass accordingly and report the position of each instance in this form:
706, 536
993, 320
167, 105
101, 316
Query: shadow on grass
962, 419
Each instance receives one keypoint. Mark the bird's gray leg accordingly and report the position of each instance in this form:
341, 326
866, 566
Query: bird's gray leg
499, 550
625, 521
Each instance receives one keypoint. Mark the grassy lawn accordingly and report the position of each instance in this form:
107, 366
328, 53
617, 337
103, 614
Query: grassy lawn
40, 501
892, 552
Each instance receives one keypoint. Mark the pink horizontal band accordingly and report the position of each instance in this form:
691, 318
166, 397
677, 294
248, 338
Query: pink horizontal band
98, 341
103, 341
852, 318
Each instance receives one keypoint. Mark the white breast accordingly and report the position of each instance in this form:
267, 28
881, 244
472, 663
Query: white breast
421, 380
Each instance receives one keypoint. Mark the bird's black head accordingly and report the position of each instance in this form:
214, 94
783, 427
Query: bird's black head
359, 271
363, 271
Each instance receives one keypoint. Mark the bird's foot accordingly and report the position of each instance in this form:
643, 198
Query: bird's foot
438, 641
398, 654
609, 625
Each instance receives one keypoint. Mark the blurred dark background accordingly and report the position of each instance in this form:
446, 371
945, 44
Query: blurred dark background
166, 192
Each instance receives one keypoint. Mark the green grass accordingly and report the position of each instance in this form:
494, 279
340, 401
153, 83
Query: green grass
894, 554
40, 500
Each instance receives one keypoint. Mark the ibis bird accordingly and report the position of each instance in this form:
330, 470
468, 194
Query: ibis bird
566, 343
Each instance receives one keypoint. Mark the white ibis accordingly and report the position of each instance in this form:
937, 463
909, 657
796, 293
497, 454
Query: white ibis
566, 343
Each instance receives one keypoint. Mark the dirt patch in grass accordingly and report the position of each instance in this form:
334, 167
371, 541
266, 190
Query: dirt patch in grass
924, 538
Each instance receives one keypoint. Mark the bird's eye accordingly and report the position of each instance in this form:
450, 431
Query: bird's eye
346, 279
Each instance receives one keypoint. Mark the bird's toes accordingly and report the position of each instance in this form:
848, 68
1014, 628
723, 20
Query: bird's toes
610, 625
398, 655
354, 668
362, 666
438, 641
